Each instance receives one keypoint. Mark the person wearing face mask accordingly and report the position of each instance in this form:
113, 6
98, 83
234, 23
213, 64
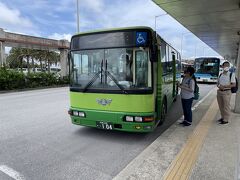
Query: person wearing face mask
187, 93
224, 84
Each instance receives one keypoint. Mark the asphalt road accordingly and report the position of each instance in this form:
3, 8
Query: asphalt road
38, 141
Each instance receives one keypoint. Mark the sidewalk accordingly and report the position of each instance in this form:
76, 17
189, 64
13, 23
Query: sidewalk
206, 150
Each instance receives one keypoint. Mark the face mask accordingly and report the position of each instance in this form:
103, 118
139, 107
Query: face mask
226, 69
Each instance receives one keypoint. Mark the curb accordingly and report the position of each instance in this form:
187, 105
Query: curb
30, 89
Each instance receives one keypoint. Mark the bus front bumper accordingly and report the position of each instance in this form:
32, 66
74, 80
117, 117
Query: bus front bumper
112, 120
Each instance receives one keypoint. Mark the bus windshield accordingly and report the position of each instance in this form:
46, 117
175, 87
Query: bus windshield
114, 69
207, 66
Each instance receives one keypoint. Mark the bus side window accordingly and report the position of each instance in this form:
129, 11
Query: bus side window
76, 68
163, 58
141, 68
170, 60
84, 64
81, 66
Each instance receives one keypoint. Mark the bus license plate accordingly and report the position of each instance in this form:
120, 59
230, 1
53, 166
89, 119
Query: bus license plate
104, 125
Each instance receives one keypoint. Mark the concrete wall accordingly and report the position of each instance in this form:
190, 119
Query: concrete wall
64, 62
2, 54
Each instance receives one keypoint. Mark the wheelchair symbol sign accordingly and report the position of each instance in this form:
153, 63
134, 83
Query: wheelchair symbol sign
141, 38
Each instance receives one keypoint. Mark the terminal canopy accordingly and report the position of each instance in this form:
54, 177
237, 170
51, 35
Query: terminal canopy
215, 22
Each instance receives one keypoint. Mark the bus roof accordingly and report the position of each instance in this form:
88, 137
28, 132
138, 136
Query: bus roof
114, 29
120, 29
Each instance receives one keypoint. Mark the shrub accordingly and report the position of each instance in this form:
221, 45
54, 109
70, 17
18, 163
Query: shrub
11, 79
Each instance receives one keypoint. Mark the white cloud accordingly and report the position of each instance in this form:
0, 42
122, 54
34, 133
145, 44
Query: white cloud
12, 18
94, 14
130, 13
95, 5
60, 36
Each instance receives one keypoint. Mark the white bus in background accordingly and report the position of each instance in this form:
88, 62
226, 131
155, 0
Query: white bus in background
184, 66
207, 69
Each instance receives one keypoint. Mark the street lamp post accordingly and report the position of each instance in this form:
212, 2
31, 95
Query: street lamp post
182, 43
196, 46
78, 27
156, 20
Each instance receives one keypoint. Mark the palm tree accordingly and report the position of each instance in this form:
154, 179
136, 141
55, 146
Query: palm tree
18, 54
36, 55
27, 53
15, 58
50, 57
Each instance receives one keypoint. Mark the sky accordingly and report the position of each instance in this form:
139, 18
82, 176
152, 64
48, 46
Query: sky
57, 20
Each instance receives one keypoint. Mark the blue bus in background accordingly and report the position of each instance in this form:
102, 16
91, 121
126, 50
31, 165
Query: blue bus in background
207, 69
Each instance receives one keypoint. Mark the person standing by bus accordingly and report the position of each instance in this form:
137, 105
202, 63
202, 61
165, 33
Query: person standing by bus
187, 93
226, 81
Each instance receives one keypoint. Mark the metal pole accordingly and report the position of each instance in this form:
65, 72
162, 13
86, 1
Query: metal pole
156, 20
195, 51
155, 24
181, 45
78, 27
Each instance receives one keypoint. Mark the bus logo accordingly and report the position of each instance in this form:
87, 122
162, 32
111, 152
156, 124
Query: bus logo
104, 102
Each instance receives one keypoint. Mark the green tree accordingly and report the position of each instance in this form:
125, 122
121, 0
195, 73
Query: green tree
50, 57
15, 58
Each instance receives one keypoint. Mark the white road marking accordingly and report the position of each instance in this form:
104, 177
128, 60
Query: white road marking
203, 99
11, 172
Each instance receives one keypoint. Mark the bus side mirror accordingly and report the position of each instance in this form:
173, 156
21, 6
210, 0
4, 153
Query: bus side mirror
173, 56
154, 54
154, 49
69, 55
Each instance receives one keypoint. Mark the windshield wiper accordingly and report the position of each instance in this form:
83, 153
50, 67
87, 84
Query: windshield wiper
94, 78
107, 73
116, 82
101, 70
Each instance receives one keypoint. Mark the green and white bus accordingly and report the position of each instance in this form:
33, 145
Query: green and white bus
122, 79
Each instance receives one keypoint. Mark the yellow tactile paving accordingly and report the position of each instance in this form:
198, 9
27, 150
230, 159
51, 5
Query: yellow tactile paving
182, 165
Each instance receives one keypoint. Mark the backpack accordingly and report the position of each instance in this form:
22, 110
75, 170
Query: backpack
233, 89
196, 89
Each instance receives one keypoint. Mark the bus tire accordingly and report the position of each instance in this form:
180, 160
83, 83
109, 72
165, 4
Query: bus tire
163, 112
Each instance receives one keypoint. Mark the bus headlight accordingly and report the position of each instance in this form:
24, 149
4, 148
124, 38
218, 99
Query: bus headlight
75, 113
138, 119
81, 114
129, 118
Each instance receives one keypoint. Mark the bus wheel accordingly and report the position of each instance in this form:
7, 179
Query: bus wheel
163, 112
